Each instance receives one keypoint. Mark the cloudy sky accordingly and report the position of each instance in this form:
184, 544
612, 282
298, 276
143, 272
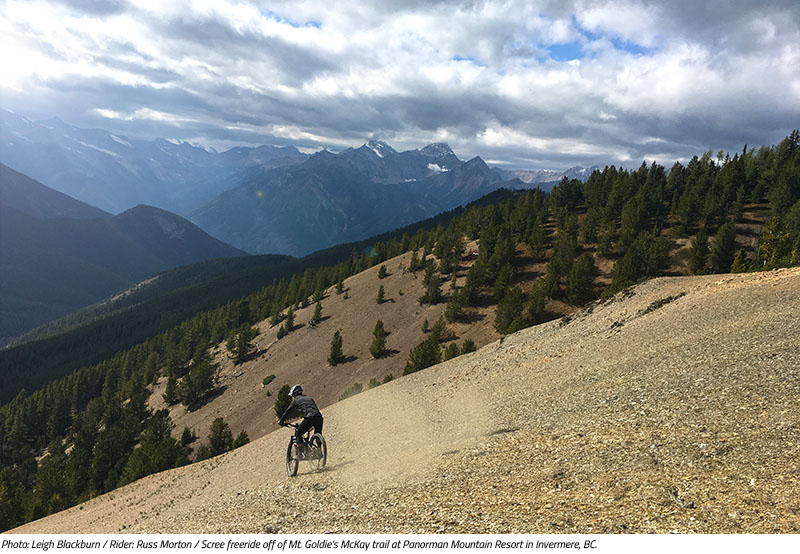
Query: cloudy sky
528, 84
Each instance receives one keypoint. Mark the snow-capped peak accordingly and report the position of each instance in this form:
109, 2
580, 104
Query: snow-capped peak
380, 148
437, 150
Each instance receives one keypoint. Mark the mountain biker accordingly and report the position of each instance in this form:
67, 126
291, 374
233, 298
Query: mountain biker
302, 405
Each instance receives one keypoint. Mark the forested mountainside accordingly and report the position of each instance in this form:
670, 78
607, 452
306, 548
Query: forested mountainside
724, 214
58, 254
32, 364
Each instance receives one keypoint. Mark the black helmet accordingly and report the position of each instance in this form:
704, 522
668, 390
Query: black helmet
295, 390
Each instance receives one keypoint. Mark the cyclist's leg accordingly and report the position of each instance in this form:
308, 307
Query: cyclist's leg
301, 429
316, 423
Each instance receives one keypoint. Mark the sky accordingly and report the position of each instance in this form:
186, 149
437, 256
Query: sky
524, 84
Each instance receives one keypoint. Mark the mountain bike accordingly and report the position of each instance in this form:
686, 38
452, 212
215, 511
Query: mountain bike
313, 450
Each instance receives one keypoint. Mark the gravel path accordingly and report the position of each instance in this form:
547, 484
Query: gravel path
673, 408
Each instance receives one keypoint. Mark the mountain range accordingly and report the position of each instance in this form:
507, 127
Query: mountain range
116, 173
58, 254
261, 200
335, 198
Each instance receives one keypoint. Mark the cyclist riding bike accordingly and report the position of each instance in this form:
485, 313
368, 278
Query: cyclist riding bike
305, 407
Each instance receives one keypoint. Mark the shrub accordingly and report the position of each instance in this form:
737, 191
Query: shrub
352, 391
468, 346
241, 439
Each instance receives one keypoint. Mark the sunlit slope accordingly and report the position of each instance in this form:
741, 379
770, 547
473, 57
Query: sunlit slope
671, 408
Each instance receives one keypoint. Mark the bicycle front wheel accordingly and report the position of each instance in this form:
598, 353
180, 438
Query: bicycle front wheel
291, 461
318, 452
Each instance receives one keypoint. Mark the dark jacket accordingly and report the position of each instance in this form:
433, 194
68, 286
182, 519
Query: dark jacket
301, 406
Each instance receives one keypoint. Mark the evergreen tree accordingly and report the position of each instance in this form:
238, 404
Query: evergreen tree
439, 330
537, 301
220, 439
378, 345
157, 450
339, 287
240, 344
187, 437
580, 282
433, 291
509, 309
317, 313
724, 249
468, 346
382, 273
336, 355
241, 439
425, 354
451, 351
698, 253
170, 395
381, 296
740, 262
282, 400
200, 380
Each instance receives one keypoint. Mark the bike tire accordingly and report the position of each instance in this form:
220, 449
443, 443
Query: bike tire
318, 452
291, 461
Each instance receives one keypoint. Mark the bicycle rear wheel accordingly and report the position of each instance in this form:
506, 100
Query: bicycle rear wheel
318, 452
291, 461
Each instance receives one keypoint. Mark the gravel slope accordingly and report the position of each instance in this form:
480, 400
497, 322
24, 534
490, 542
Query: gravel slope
674, 407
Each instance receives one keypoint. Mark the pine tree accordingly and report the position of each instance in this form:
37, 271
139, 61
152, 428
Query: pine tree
698, 253
451, 351
378, 345
740, 262
509, 309
241, 439
425, 354
220, 439
187, 437
282, 400
381, 296
317, 313
537, 301
580, 282
724, 249
382, 273
336, 355
468, 346
170, 395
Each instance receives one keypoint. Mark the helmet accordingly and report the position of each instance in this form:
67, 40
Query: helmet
295, 390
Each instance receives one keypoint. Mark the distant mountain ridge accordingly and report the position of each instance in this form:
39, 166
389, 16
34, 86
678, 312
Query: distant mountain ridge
51, 264
547, 176
336, 198
116, 173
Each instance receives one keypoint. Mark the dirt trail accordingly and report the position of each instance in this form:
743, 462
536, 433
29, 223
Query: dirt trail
672, 408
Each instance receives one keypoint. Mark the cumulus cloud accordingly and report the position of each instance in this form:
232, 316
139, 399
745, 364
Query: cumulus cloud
528, 84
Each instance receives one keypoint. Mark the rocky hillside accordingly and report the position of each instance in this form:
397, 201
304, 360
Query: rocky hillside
673, 406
